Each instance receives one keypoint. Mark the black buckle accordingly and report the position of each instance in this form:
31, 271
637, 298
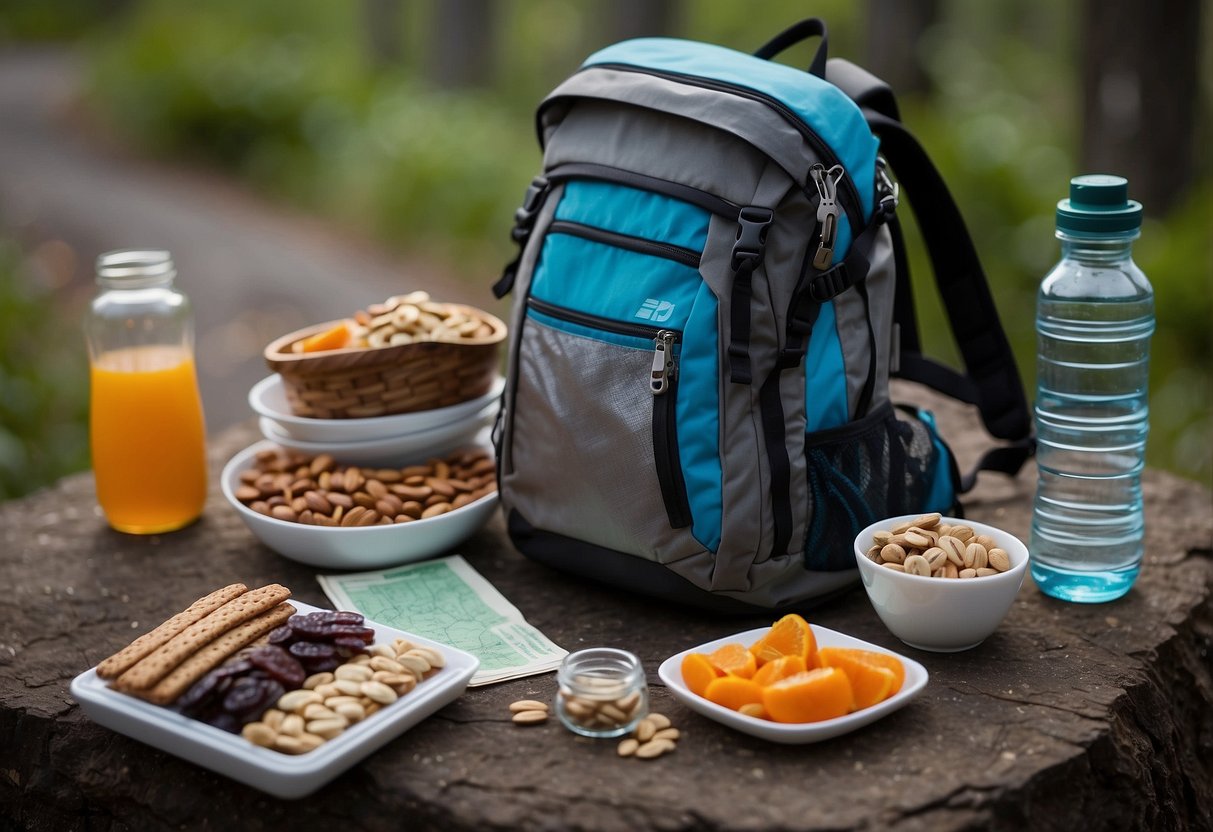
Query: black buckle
524, 223
790, 358
532, 201
534, 194
887, 190
752, 225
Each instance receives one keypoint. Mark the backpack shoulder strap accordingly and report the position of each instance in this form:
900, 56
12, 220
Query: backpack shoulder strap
991, 380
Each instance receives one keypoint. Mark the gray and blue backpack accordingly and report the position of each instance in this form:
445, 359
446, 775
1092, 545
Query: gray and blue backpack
711, 294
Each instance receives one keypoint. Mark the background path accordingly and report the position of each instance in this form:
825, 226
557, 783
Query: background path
253, 270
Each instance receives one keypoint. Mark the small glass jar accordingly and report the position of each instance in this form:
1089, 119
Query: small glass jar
146, 426
602, 692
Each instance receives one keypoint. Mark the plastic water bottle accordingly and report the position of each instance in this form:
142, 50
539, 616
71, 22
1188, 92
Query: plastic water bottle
1094, 318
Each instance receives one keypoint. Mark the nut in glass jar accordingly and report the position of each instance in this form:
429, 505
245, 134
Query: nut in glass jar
602, 692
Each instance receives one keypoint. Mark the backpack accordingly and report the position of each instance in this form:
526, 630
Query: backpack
710, 295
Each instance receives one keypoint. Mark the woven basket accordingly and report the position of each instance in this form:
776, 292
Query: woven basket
364, 382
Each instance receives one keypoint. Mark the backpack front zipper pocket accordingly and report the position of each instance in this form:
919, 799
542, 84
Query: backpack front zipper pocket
662, 386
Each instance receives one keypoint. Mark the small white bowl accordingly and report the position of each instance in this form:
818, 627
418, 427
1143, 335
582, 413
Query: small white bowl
268, 399
391, 451
362, 547
940, 614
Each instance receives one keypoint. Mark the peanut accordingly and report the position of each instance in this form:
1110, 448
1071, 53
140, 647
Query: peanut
305, 718
529, 717
930, 548
528, 705
652, 737
600, 704
408, 319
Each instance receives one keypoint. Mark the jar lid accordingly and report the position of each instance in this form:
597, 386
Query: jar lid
1099, 204
136, 267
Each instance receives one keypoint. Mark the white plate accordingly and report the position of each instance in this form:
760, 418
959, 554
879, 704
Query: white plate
391, 451
792, 733
281, 775
268, 398
362, 547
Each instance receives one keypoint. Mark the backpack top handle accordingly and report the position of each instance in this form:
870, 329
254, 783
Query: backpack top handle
794, 34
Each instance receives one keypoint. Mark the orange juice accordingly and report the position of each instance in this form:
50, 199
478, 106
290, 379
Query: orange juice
148, 439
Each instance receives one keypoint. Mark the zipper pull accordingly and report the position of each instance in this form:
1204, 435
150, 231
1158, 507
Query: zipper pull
663, 361
827, 212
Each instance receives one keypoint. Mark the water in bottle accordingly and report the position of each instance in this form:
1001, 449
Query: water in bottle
1095, 316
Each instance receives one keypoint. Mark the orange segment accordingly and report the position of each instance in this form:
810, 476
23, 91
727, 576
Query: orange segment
780, 668
330, 339
753, 709
869, 683
734, 659
842, 656
789, 636
733, 692
811, 696
697, 672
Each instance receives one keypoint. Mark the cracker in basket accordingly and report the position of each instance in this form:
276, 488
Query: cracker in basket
141, 647
154, 667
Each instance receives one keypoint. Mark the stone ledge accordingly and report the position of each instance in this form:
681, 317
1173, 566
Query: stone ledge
1070, 716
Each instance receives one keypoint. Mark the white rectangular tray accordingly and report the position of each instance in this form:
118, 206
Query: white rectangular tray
279, 774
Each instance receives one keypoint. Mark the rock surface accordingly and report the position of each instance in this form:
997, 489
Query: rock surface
1070, 716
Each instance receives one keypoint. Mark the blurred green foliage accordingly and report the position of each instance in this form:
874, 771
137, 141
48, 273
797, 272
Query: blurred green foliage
43, 385
289, 96
51, 20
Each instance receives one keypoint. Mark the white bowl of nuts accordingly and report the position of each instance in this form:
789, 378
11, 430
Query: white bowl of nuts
316, 511
940, 583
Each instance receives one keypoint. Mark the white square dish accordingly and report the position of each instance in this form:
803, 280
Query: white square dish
670, 673
281, 775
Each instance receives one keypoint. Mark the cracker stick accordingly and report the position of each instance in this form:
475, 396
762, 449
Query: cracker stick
151, 669
177, 682
143, 646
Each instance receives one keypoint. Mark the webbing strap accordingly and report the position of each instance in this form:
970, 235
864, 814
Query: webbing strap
992, 382
903, 293
739, 323
794, 34
1006, 459
753, 223
961, 281
771, 407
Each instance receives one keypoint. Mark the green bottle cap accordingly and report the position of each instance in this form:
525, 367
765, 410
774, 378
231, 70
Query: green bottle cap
1098, 204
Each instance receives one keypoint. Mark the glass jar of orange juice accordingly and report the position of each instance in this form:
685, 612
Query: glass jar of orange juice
145, 413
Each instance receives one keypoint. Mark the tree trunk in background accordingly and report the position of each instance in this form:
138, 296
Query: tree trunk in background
637, 19
462, 51
1140, 82
894, 28
383, 28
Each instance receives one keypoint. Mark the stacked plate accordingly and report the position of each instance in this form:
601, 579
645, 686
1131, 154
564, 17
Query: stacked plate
382, 441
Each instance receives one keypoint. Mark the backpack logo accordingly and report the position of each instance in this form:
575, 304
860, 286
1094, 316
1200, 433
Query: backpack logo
655, 310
